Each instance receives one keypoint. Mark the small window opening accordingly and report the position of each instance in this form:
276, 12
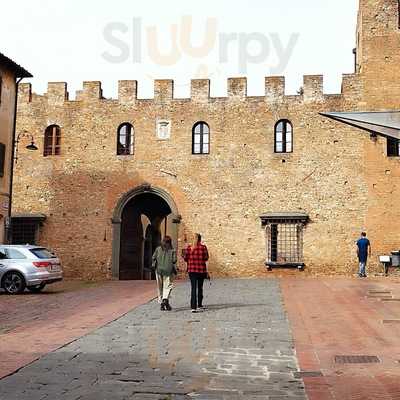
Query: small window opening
201, 138
125, 140
393, 147
283, 137
52, 141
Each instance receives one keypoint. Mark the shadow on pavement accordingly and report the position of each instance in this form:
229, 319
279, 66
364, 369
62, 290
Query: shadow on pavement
216, 307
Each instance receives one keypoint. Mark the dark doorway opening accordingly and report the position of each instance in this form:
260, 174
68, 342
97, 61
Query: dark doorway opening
146, 219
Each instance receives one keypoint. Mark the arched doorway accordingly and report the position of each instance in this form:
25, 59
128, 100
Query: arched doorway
142, 218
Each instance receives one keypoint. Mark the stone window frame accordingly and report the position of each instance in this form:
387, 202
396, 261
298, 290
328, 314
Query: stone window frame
204, 146
52, 141
286, 144
127, 149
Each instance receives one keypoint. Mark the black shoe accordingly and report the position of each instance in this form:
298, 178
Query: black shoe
167, 305
162, 306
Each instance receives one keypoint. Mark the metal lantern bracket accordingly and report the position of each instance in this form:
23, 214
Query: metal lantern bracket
32, 146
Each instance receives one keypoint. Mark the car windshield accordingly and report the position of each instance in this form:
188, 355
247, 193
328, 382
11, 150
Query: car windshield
41, 252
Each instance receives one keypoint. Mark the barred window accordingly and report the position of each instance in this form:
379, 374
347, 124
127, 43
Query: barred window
24, 231
125, 140
284, 238
283, 136
393, 147
52, 141
25, 228
201, 138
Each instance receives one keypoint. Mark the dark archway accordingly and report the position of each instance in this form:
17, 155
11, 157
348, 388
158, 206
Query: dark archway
142, 217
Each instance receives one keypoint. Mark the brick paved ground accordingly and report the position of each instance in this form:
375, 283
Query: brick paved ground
333, 316
32, 325
241, 348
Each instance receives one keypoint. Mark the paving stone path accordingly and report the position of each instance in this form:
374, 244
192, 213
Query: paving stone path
240, 348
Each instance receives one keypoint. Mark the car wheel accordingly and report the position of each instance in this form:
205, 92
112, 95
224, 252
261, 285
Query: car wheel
13, 282
36, 289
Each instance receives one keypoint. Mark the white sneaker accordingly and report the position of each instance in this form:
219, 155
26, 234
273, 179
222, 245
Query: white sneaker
193, 310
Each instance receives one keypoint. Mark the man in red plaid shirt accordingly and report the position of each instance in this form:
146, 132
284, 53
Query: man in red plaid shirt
196, 257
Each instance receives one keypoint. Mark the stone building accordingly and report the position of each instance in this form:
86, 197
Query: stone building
262, 178
10, 74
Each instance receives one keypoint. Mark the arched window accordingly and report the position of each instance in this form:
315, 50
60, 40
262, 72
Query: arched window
125, 139
283, 136
201, 138
52, 141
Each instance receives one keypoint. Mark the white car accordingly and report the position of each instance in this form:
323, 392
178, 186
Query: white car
26, 266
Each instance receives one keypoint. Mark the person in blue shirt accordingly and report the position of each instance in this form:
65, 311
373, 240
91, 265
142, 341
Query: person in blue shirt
363, 251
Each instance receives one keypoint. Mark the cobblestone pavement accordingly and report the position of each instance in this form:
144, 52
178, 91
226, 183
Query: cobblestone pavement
32, 325
240, 348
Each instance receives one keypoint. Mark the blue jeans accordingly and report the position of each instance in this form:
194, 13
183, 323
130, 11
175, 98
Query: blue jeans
362, 271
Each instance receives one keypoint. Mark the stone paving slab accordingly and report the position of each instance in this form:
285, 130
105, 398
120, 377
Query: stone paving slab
240, 348
36, 324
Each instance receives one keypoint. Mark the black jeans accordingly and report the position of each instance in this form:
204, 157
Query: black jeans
196, 298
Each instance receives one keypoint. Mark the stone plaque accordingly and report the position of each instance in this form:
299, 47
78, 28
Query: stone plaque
163, 129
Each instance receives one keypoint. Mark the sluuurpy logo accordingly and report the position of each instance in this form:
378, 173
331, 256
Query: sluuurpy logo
135, 43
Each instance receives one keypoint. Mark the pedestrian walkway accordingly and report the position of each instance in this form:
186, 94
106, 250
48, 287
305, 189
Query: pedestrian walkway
32, 325
356, 318
240, 348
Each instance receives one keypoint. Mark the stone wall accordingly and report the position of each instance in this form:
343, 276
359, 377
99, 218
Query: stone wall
337, 175
379, 59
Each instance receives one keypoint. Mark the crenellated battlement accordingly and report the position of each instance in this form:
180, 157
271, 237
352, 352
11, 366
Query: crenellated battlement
275, 91
57, 92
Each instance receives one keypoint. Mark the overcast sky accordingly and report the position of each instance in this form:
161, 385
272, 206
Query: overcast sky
73, 41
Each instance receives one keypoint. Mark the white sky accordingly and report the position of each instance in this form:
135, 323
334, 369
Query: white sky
63, 40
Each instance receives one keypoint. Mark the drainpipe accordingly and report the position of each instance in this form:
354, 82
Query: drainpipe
10, 189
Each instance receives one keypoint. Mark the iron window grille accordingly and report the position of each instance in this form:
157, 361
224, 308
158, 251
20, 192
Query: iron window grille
125, 140
52, 141
283, 136
284, 238
25, 228
201, 138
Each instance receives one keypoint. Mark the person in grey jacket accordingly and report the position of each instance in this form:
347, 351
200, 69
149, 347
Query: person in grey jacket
164, 263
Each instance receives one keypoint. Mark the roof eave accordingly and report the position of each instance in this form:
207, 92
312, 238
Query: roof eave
19, 71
